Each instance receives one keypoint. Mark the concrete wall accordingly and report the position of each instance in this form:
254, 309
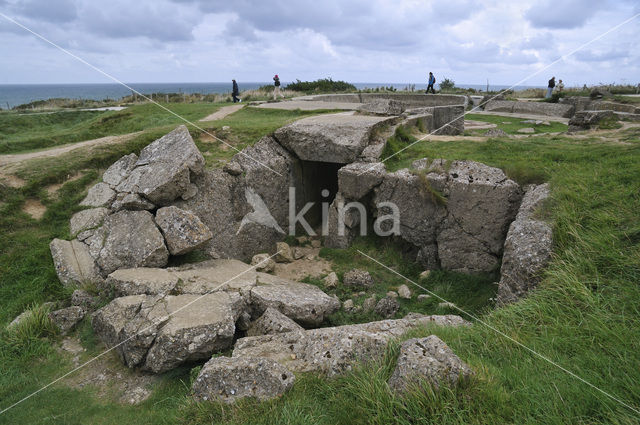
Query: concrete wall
535, 108
408, 100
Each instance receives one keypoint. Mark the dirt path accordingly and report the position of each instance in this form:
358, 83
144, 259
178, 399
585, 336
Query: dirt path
57, 151
222, 112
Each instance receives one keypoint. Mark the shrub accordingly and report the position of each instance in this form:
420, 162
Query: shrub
325, 85
447, 84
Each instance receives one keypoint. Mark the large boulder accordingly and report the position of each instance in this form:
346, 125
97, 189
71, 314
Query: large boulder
230, 379
87, 219
100, 195
130, 239
183, 230
67, 318
159, 333
427, 359
73, 263
163, 170
527, 249
585, 120
333, 351
302, 302
120, 170
338, 138
272, 322
142, 281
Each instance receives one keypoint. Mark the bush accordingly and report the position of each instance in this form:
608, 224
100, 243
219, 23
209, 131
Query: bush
325, 85
447, 84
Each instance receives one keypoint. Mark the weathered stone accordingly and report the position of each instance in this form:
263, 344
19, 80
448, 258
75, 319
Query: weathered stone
427, 359
527, 130
73, 263
87, 219
272, 322
535, 108
496, 132
337, 138
233, 168
82, 298
131, 239
283, 253
527, 249
331, 280
447, 305
356, 278
160, 333
387, 307
67, 318
304, 303
334, 350
298, 253
369, 304
357, 179
347, 305
382, 107
228, 379
183, 231
263, 263
192, 190
425, 274
131, 201
119, 170
100, 195
162, 172
142, 281
423, 297
392, 294
404, 292
586, 120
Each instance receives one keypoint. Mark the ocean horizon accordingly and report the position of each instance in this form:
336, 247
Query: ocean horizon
12, 95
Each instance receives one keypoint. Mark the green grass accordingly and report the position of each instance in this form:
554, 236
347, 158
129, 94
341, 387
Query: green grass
584, 316
514, 124
27, 132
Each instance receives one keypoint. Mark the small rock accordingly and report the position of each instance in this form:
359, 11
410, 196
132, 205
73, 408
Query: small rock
244, 321
392, 294
423, 297
527, 130
428, 359
331, 281
404, 292
229, 379
67, 318
284, 254
298, 253
357, 278
311, 257
446, 305
302, 239
361, 293
226, 128
387, 307
369, 304
233, 168
272, 322
348, 305
263, 263
495, 132
425, 274
316, 243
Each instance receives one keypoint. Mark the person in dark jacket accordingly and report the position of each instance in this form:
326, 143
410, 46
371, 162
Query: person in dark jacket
432, 81
235, 92
552, 84
276, 87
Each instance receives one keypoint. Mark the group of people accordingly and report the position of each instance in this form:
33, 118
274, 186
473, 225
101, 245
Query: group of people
235, 91
553, 86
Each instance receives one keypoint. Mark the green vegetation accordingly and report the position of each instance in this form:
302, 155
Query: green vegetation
584, 316
447, 84
323, 85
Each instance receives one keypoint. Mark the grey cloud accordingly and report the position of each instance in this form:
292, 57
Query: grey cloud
593, 56
54, 11
544, 41
562, 15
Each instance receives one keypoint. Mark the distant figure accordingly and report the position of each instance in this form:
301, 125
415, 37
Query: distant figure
552, 84
432, 81
276, 87
560, 86
235, 92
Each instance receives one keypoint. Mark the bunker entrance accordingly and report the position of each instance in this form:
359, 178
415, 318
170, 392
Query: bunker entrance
320, 185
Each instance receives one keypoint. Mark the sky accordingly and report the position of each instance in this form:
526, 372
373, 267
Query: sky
399, 41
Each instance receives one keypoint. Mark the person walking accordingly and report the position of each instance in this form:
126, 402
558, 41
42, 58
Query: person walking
276, 87
235, 92
432, 81
552, 84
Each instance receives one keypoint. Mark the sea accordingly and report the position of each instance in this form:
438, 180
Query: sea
12, 95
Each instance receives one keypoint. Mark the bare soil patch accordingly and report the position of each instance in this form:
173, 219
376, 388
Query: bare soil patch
34, 208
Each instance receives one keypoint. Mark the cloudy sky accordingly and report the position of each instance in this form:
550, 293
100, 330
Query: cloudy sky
399, 41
